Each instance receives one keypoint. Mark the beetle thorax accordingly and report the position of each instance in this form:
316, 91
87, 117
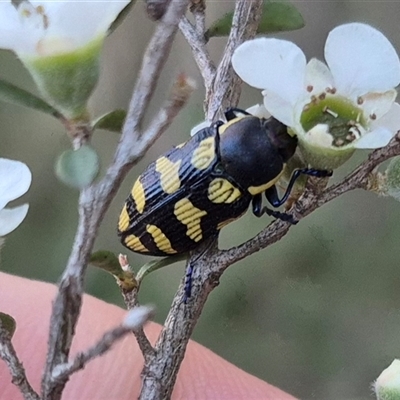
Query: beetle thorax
254, 152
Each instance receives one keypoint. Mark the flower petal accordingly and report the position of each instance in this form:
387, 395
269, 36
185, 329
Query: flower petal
65, 22
15, 179
14, 35
379, 137
258, 110
272, 64
318, 77
10, 218
71, 19
378, 104
361, 60
280, 108
319, 136
390, 121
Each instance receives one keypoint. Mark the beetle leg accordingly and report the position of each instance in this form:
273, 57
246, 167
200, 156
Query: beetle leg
256, 204
188, 283
189, 269
273, 198
217, 140
259, 211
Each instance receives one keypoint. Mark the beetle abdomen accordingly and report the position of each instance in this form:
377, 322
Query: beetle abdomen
181, 199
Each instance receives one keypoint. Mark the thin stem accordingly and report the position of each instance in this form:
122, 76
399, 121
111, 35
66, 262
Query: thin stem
17, 371
94, 200
199, 49
308, 203
153, 61
104, 344
225, 90
160, 371
130, 300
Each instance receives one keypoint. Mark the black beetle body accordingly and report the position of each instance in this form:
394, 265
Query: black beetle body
188, 194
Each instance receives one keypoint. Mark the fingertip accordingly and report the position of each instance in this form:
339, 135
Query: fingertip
115, 375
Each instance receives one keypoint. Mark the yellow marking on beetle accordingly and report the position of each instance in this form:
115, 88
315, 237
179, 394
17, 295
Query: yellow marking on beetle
124, 221
134, 243
204, 155
179, 146
169, 174
253, 190
190, 216
222, 191
161, 241
139, 196
225, 126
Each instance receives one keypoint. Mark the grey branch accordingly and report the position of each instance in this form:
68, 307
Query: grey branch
208, 262
199, 49
222, 85
134, 321
225, 90
160, 371
130, 300
9, 356
95, 199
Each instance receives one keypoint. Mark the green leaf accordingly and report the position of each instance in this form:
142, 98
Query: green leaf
157, 264
112, 121
78, 168
8, 323
108, 261
276, 17
280, 17
121, 16
15, 95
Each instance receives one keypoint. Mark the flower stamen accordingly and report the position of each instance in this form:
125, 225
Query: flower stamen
34, 16
330, 112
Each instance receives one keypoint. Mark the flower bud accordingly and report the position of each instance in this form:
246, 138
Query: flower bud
392, 183
387, 386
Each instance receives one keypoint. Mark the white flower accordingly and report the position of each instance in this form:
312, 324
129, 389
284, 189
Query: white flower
60, 43
348, 103
387, 386
258, 110
15, 179
48, 27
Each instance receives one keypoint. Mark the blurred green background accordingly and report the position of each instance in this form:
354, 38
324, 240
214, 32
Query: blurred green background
317, 314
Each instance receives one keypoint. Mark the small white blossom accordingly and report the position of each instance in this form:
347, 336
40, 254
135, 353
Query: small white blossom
348, 103
387, 386
15, 179
40, 28
60, 43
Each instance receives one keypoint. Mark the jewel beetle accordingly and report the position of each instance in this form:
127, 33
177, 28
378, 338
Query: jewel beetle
189, 193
